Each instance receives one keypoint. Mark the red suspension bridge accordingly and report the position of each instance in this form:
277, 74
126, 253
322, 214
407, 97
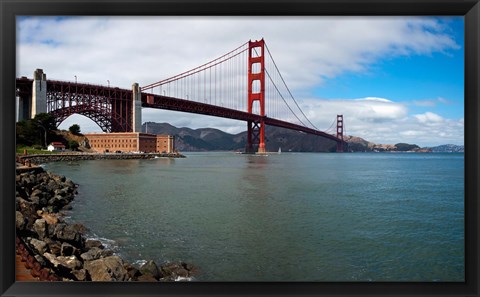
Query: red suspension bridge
244, 84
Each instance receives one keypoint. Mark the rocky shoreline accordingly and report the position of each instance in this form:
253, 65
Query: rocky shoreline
55, 250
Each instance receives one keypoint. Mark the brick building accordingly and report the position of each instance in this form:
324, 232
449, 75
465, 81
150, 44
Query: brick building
131, 142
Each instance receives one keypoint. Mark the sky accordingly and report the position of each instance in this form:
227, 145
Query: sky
394, 79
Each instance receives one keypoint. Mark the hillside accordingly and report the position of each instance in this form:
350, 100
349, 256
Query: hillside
65, 137
208, 139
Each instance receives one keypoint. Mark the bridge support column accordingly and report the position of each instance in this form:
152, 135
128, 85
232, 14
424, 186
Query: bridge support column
23, 109
136, 108
340, 133
39, 93
256, 93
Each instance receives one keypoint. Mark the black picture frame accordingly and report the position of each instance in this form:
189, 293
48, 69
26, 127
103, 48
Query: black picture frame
9, 9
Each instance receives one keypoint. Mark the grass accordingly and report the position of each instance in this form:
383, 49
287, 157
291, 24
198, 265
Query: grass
33, 151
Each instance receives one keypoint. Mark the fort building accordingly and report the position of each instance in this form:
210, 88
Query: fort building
130, 142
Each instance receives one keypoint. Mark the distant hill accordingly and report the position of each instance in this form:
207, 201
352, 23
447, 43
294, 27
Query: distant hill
448, 148
209, 139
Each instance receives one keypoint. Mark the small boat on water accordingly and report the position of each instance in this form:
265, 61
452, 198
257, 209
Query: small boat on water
279, 150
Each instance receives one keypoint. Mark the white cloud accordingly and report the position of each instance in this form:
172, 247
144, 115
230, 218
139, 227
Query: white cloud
147, 49
429, 118
431, 102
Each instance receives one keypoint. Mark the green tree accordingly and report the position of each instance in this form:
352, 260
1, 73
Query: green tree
73, 145
45, 123
74, 129
36, 131
27, 134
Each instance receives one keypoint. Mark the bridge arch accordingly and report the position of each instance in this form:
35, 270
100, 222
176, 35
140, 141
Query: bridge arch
101, 120
110, 108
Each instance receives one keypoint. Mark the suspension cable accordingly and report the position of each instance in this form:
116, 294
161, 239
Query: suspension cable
275, 64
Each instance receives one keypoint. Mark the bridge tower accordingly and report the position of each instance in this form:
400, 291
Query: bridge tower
340, 133
256, 93
136, 108
39, 93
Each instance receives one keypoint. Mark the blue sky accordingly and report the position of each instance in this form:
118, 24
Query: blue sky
395, 79
433, 79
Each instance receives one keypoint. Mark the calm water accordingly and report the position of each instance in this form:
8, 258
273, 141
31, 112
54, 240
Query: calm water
287, 217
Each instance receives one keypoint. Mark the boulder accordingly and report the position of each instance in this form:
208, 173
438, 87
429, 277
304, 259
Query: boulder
67, 249
28, 209
70, 185
90, 243
37, 193
80, 275
40, 260
69, 233
146, 278
106, 269
92, 254
174, 270
20, 221
133, 273
58, 201
70, 262
55, 247
60, 192
150, 268
51, 219
40, 246
41, 228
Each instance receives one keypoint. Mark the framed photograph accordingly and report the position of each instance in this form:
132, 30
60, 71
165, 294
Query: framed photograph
173, 148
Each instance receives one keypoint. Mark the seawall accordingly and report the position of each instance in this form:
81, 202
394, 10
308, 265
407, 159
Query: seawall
68, 157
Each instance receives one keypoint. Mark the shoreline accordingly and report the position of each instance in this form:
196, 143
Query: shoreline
54, 250
70, 157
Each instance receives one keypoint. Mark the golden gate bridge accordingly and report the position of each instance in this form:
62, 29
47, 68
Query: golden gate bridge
244, 84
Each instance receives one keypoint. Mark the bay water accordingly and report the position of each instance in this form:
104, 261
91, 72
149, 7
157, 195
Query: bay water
281, 217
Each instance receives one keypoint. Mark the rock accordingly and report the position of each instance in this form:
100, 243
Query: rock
80, 275
50, 218
70, 262
150, 268
41, 228
58, 178
38, 245
133, 273
55, 247
92, 254
174, 270
90, 243
37, 193
60, 192
107, 269
58, 201
35, 200
69, 233
70, 185
68, 249
29, 211
96, 253
146, 278
20, 221
40, 260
